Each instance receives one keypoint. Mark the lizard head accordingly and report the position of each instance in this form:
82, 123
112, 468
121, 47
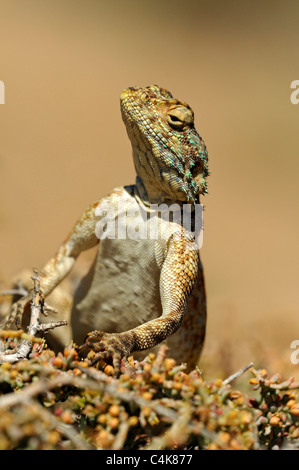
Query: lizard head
170, 157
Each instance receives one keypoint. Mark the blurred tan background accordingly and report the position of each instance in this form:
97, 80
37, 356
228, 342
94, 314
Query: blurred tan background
63, 145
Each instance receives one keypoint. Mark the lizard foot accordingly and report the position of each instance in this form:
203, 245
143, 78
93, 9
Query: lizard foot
16, 313
108, 345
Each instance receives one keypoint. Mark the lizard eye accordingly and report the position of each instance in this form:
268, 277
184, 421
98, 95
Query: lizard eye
180, 117
174, 122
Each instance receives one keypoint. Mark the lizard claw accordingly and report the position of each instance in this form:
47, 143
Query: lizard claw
107, 345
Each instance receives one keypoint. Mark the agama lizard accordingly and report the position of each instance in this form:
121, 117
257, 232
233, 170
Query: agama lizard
140, 292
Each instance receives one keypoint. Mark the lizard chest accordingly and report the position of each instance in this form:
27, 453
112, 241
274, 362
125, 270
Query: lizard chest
121, 290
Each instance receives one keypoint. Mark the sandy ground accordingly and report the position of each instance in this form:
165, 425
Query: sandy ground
63, 145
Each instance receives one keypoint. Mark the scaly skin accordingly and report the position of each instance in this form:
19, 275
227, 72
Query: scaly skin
139, 293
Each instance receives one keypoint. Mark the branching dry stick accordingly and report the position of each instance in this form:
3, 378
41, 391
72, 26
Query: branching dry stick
98, 381
122, 434
34, 389
238, 374
110, 385
26, 397
176, 434
65, 429
34, 327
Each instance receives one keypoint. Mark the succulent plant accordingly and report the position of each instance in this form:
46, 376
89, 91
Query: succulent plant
59, 401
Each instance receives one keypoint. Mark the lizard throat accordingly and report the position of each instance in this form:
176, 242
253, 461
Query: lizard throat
158, 183
167, 175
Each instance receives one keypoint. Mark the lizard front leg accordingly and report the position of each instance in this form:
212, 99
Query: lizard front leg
178, 274
56, 269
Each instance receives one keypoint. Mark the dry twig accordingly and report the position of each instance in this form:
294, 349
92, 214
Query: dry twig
34, 327
237, 374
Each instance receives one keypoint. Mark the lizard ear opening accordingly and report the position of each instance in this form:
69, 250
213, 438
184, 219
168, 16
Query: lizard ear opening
196, 169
